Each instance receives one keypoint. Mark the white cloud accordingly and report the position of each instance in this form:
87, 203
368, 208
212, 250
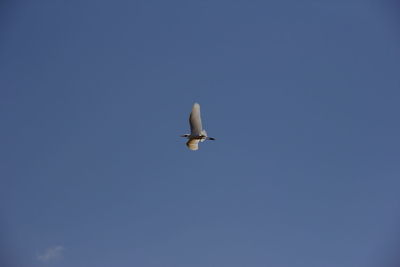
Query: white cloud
53, 253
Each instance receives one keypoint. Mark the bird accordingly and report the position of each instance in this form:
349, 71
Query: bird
197, 133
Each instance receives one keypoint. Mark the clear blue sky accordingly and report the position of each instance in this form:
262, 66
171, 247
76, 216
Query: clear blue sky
302, 96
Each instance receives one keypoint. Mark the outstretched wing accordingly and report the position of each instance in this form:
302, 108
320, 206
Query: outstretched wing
195, 120
193, 144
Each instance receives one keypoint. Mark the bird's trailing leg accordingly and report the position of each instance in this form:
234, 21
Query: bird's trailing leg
203, 137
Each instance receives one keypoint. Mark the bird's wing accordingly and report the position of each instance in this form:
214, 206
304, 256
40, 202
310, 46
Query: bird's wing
193, 144
195, 120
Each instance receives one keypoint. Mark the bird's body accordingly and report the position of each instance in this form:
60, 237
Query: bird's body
197, 133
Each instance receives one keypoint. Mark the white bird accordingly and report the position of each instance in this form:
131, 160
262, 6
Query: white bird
197, 133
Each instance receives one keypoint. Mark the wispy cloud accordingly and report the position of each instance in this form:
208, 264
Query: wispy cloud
53, 253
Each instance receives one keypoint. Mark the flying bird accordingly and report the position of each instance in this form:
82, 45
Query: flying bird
197, 133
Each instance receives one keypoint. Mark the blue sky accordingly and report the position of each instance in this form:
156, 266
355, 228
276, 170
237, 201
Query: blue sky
302, 96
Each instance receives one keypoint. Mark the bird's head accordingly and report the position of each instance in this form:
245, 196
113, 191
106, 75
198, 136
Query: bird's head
185, 135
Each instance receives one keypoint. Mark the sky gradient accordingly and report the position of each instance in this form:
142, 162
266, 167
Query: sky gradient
302, 96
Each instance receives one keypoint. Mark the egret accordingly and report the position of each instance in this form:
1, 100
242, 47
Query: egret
197, 133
